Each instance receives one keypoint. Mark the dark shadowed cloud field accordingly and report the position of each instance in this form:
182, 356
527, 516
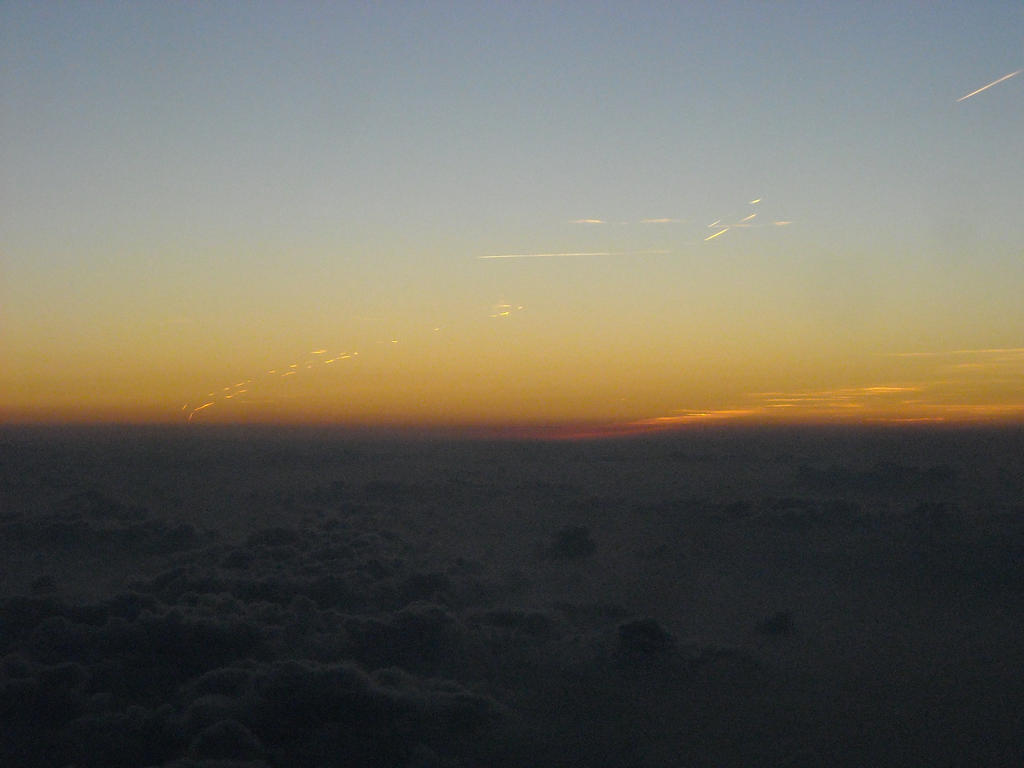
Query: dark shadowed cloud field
306, 598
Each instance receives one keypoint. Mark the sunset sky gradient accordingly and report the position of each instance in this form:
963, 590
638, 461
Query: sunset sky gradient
195, 195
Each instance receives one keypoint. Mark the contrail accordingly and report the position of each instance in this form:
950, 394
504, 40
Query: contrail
712, 237
573, 253
197, 410
986, 87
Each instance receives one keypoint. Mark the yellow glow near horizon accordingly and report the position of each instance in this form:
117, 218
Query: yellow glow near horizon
507, 377
611, 363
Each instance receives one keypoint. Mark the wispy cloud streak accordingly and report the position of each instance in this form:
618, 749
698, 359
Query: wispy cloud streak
696, 417
951, 386
1007, 351
573, 253
194, 411
986, 87
747, 222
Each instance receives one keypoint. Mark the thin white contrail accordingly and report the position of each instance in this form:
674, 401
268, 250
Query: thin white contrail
571, 253
986, 87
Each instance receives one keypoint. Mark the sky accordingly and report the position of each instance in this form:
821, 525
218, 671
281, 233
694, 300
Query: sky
525, 215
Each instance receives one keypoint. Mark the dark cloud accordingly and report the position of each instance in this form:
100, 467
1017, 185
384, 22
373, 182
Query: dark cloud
571, 543
644, 637
779, 623
399, 618
225, 739
93, 523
